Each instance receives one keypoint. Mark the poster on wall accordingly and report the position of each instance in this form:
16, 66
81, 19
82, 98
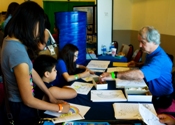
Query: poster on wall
89, 10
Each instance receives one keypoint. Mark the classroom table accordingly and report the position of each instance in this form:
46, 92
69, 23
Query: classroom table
102, 111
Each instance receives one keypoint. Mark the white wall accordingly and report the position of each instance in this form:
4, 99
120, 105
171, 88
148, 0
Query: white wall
104, 25
158, 13
122, 14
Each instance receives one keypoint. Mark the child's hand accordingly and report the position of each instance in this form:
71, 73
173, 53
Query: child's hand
91, 72
85, 74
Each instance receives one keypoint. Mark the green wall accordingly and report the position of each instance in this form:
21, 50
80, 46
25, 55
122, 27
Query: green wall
50, 7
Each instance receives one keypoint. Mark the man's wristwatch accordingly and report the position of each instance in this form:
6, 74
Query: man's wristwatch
60, 108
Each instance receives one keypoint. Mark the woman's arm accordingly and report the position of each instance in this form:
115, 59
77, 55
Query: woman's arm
38, 81
21, 72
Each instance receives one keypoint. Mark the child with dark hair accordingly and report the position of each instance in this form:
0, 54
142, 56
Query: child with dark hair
45, 67
10, 11
66, 66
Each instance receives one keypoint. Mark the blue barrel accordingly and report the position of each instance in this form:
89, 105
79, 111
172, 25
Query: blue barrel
72, 29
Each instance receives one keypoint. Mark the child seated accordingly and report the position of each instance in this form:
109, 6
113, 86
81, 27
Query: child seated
45, 67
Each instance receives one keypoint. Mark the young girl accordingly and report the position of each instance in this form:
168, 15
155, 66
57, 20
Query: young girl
25, 31
66, 66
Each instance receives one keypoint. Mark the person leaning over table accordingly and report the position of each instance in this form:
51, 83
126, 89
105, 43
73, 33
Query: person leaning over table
17, 67
156, 71
67, 68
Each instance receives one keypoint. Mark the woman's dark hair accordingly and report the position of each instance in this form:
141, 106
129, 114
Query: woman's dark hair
11, 9
44, 63
67, 54
23, 25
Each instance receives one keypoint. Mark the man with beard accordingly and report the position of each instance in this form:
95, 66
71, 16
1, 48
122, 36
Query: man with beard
156, 71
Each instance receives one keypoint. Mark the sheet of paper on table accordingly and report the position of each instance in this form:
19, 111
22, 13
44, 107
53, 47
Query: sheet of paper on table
148, 117
76, 112
82, 87
89, 78
130, 110
107, 95
98, 64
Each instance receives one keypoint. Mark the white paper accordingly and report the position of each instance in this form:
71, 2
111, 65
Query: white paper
89, 78
130, 110
82, 110
130, 83
97, 64
118, 69
126, 111
97, 70
107, 95
148, 117
82, 87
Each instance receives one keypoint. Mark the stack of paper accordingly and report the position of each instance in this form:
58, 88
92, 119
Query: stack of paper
136, 111
107, 95
97, 65
82, 88
76, 112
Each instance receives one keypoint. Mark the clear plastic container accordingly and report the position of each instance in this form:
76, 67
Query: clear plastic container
103, 50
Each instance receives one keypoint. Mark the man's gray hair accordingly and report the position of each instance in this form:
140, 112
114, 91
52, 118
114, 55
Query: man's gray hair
151, 34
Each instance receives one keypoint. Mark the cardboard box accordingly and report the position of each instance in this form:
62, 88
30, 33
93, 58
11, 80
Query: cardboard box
135, 91
103, 85
140, 98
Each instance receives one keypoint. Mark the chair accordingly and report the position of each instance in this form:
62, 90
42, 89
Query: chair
137, 55
130, 52
171, 57
116, 45
124, 49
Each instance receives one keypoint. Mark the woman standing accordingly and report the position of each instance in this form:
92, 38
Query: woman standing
25, 31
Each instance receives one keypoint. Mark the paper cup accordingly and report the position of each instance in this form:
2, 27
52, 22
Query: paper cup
113, 51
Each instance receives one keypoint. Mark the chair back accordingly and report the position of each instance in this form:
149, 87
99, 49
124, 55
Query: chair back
130, 52
137, 55
171, 57
124, 49
116, 45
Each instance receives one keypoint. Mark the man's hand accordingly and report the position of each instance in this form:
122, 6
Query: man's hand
132, 64
104, 76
